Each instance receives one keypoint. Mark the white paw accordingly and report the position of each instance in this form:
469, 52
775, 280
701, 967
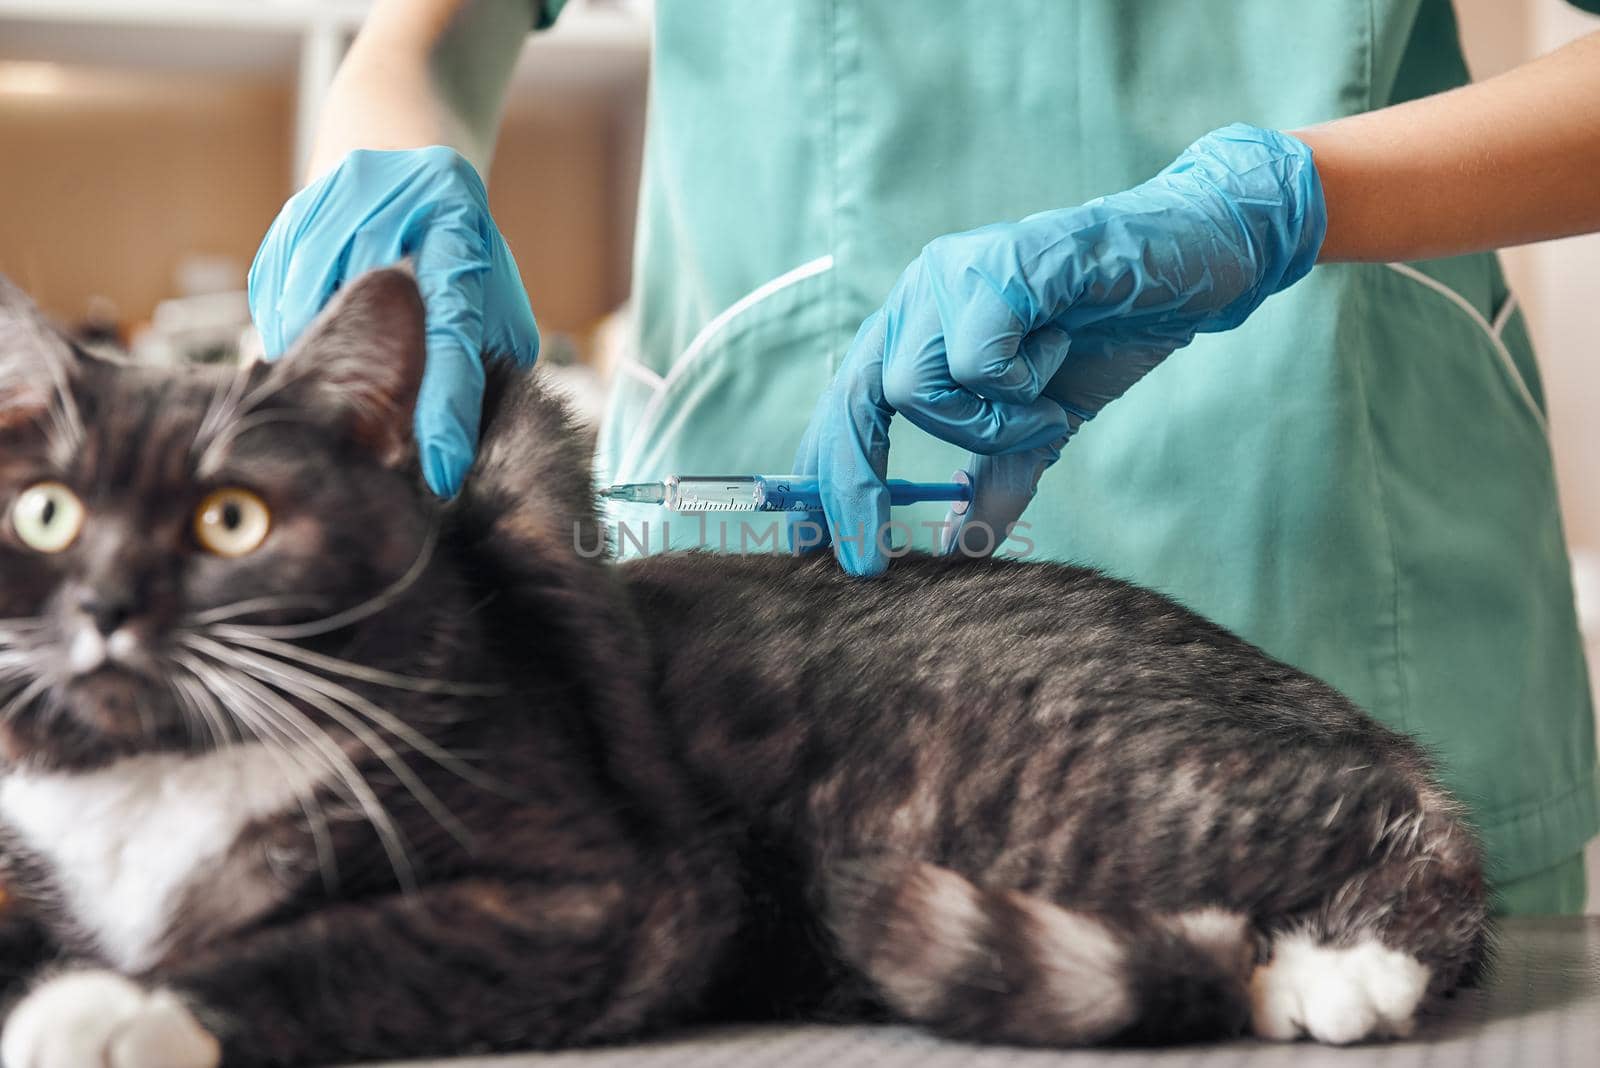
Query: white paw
1335, 994
101, 1020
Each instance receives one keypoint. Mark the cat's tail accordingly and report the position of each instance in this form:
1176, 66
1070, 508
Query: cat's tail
1003, 966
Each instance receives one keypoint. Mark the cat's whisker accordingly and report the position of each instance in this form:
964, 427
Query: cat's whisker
211, 456
196, 712
206, 705
64, 440
275, 711
253, 604
380, 717
191, 710
26, 333
370, 607
350, 719
285, 374
72, 421
261, 711
223, 408
22, 697
196, 694
19, 648
302, 685
246, 635
64, 413
19, 643
252, 700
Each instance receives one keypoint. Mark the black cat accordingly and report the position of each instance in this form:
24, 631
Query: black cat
303, 765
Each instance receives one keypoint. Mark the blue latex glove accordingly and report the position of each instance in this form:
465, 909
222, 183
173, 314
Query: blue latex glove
1006, 339
373, 210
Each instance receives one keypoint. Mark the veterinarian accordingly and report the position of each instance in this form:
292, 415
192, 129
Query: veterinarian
1353, 474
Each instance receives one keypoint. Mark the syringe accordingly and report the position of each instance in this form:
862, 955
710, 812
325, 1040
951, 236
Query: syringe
772, 493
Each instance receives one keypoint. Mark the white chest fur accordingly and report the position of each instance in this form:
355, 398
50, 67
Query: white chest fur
125, 841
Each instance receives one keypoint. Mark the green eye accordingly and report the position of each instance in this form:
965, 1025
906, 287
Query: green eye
47, 516
232, 522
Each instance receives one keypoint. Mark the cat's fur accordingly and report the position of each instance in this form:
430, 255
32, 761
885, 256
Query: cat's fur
418, 778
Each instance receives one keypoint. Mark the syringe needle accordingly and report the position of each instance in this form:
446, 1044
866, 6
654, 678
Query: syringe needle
636, 492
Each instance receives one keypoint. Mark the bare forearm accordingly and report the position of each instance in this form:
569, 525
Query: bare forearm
1503, 162
424, 72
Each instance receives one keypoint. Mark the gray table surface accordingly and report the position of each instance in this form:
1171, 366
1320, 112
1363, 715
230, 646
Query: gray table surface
1541, 1008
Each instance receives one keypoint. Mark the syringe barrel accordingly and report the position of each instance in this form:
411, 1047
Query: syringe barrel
713, 493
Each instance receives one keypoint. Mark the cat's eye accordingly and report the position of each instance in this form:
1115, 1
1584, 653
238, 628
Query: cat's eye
232, 522
47, 516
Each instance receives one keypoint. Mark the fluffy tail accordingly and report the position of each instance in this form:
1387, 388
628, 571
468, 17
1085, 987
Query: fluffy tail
1002, 966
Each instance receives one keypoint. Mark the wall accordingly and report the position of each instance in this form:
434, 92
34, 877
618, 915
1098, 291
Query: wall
563, 187
109, 178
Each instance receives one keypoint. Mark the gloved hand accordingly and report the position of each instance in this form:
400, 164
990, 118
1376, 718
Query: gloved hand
372, 210
1006, 339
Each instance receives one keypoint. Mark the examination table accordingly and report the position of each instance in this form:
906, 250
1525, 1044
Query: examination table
1539, 1009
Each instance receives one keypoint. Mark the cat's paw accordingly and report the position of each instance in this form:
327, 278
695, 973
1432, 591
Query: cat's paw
98, 1019
1335, 994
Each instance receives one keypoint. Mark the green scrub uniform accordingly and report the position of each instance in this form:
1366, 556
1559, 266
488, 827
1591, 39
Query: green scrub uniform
1358, 479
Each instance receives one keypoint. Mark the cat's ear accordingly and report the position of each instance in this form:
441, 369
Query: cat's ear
362, 360
36, 363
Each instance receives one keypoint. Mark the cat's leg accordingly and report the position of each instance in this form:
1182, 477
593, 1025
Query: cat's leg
1411, 926
89, 1016
1003, 966
1316, 988
451, 968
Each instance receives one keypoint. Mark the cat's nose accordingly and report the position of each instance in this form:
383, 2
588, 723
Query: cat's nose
109, 609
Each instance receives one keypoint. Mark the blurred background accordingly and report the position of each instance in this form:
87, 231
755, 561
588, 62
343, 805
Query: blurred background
145, 145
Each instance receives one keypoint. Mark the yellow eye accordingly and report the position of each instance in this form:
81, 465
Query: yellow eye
232, 522
47, 517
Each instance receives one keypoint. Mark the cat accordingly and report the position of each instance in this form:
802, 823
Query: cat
302, 765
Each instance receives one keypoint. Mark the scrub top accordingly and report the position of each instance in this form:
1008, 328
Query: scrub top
1358, 479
